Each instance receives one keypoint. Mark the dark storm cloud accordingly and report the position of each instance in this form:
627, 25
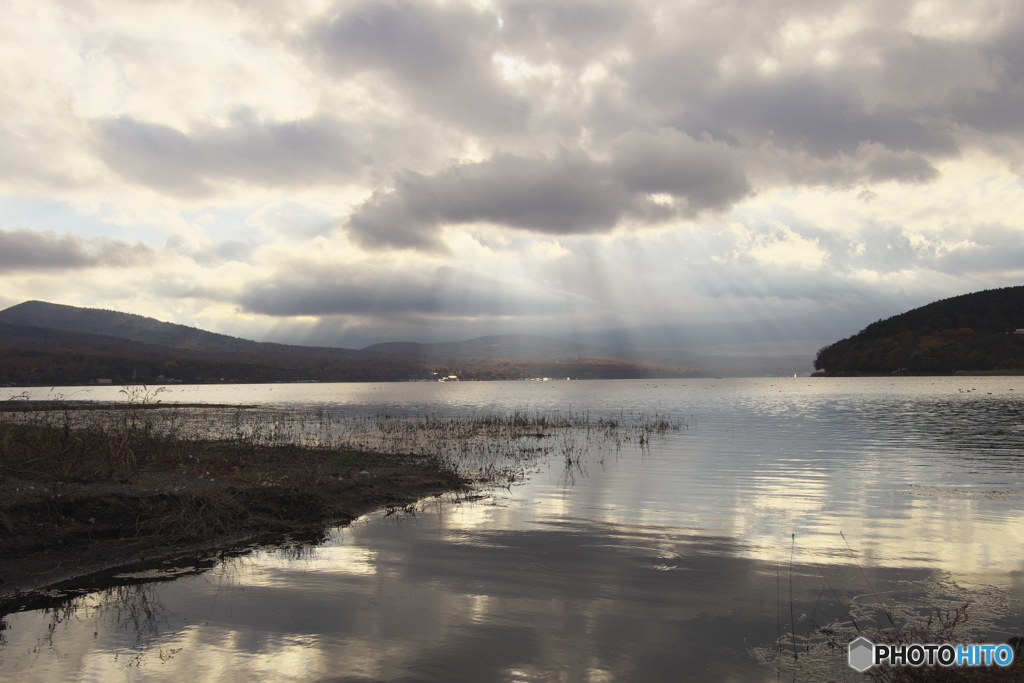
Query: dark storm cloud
28, 250
564, 195
439, 56
259, 152
367, 291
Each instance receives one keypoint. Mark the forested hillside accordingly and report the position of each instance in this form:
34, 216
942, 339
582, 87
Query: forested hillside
972, 332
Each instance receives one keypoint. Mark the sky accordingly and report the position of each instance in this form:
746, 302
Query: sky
653, 173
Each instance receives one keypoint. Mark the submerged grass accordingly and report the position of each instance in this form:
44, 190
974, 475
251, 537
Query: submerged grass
86, 442
945, 612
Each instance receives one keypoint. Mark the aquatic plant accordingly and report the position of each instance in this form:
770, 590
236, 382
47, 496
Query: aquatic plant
815, 649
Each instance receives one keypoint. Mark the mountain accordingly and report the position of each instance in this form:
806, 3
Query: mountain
39, 356
112, 324
42, 340
51, 344
972, 332
149, 330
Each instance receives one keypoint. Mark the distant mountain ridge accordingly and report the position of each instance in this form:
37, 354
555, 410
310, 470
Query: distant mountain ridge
44, 343
972, 332
140, 328
42, 339
109, 323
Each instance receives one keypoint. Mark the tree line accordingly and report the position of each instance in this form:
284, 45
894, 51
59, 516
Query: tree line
973, 332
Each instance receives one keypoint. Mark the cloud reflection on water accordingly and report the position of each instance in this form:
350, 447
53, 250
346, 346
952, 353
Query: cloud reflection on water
656, 563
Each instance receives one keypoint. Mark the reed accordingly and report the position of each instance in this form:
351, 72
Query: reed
943, 613
168, 474
67, 444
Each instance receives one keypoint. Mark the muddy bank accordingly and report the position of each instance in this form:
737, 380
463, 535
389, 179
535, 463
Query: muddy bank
213, 497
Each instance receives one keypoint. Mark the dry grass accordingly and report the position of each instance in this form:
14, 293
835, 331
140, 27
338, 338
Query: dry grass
63, 444
74, 477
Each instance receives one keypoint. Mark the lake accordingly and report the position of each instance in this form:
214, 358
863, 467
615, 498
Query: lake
711, 552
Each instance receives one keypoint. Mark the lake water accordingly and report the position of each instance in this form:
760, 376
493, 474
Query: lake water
782, 505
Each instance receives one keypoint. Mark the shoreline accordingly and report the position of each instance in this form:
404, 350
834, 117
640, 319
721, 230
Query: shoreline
19, 405
54, 532
89, 487
956, 373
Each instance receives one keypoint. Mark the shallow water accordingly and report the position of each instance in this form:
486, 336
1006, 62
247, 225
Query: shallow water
782, 504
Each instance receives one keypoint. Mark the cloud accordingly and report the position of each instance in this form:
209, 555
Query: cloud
264, 153
27, 159
438, 57
382, 292
989, 249
564, 195
590, 163
290, 219
703, 173
919, 74
824, 119
820, 84
571, 32
567, 194
29, 250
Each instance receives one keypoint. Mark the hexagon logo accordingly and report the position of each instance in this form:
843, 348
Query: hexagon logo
861, 654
